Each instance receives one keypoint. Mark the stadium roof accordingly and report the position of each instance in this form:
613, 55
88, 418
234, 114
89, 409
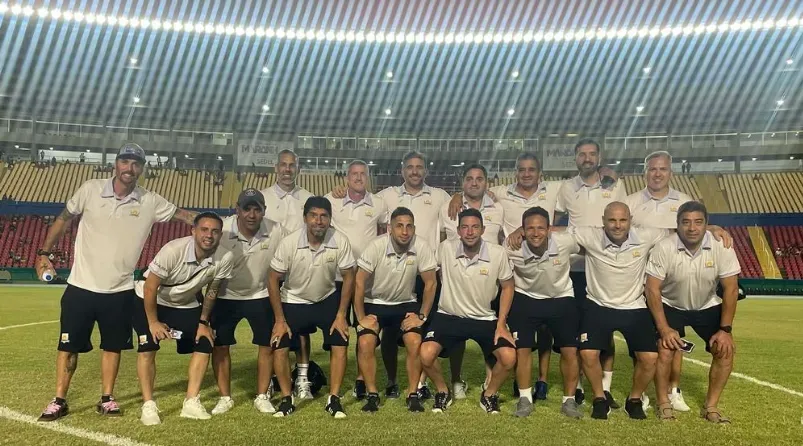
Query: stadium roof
407, 68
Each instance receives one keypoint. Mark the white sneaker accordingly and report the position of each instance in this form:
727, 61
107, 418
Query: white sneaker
645, 402
262, 404
676, 398
459, 390
150, 414
303, 391
193, 408
224, 404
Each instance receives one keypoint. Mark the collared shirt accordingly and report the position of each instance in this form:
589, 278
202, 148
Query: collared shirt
183, 275
690, 279
309, 274
471, 284
392, 280
615, 274
285, 207
492, 215
652, 212
358, 220
425, 205
547, 276
111, 234
250, 276
585, 203
514, 204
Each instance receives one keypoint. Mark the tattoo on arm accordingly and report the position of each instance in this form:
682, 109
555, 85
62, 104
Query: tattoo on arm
66, 215
209, 299
184, 215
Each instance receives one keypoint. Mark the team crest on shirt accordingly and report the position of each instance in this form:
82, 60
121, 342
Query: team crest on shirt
636, 254
673, 209
556, 261
143, 339
709, 264
430, 335
606, 195
134, 213
330, 259
65, 338
369, 213
427, 201
541, 197
484, 271
409, 262
584, 337
488, 218
264, 246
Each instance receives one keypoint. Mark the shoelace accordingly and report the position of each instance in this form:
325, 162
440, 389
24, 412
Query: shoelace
52, 408
110, 406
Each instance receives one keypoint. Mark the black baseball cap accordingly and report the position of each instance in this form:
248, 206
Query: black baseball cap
131, 151
251, 196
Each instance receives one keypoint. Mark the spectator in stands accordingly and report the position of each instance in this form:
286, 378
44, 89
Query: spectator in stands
53, 161
42, 155
82, 158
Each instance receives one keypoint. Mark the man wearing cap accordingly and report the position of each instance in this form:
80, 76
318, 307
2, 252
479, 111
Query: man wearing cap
168, 308
116, 219
252, 238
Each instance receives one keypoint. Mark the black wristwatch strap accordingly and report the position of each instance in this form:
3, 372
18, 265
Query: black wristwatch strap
726, 328
42, 252
203, 322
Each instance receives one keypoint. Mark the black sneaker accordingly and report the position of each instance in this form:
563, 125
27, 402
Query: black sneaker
490, 404
414, 403
611, 402
109, 408
424, 393
442, 401
634, 409
372, 405
54, 411
516, 392
360, 392
600, 409
392, 391
579, 396
541, 389
286, 407
334, 407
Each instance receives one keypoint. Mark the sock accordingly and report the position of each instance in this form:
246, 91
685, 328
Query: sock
422, 383
526, 394
579, 385
105, 398
228, 398
674, 390
607, 377
302, 371
60, 400
567, 398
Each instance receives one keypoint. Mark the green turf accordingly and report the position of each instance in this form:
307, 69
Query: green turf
768, 346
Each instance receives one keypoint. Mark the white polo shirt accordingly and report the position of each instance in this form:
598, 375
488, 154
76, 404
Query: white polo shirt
651, 212
470, 285
358, 221
514, 204
585, 203
547, 276
285, 207
392, 280
309, 275
492, 215
111, 234
690, 280
425, 205
183, 276
251, 259
615, 274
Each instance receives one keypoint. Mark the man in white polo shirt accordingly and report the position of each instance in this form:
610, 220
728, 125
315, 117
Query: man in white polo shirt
384, 297
253, 239
544, 297
168, 308
682, 277
116, 219
472, 271
616, 257
475, 195
309, 259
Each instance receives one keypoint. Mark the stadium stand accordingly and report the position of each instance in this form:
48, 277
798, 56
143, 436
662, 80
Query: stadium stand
764, 192
744, 251
787, 246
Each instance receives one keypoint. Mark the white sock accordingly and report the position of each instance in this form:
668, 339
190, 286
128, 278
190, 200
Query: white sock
422, 383
302, 371
567, 398
607, 377
526, 394
674, 390
227, 398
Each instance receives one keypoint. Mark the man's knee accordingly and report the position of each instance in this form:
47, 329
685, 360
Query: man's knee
366, 344
665, 355
646, 359
429, 353
506, 357
412, 342
589, 356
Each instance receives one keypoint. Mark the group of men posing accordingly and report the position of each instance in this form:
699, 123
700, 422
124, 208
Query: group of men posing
406, 266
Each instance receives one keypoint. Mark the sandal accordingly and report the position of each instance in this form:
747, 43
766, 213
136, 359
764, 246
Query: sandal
713, 415
665, 412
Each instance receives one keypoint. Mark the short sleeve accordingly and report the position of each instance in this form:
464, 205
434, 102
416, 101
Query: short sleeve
619, 191
226, 268
582, 235
426, 258
163, 209
447, 225
369, 259
384, 213
76, 203
560, 203
656, 266
505, 271
283, 257
728, 263
345, 257
439, 252
164, 262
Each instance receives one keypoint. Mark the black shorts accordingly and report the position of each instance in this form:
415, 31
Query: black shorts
80, 309
449, 331
227, 314
559, 315
306, 318
184, 320
579, 285
598, 324
390, 317
704, 322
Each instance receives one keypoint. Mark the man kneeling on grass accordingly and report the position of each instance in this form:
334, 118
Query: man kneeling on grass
168, 308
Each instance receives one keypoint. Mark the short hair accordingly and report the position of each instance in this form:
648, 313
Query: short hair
402, 211
476, 166
470, 212
414, 154
528, 156
287, 152
318, 202
692, 206
533, 211
586, 141
207, 214
656, 154
356, 163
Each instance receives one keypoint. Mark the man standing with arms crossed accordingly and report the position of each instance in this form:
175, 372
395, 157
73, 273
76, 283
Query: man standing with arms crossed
117, 217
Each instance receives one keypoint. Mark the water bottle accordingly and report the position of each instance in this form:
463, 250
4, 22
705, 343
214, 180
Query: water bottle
48, 275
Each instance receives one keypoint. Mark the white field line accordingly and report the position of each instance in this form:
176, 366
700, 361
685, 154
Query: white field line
109, 439
27, 325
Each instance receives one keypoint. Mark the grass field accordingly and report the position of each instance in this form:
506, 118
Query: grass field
768, 342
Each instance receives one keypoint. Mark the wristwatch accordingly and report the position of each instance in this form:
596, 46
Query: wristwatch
726, 328
42, 252
422, 316
203, 322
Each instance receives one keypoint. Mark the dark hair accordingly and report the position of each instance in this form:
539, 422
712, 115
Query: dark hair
207, 214
414, 154
528, 156
475, 166
400, 212
533, 211
318, 202
586, 141
470, 212
692, 206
